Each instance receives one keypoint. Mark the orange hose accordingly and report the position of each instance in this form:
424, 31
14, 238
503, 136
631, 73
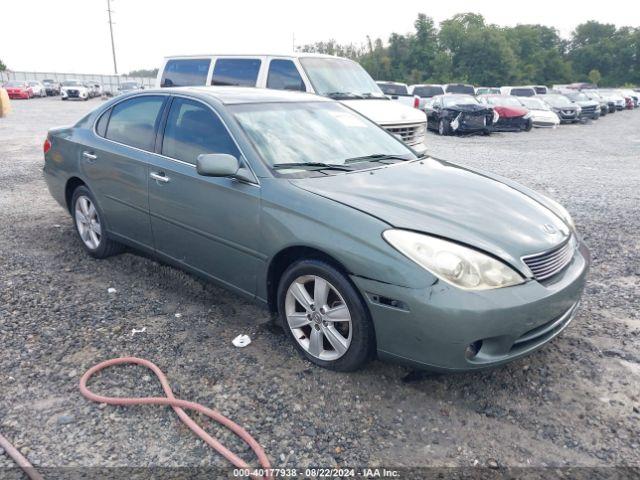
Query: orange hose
175, 403
20, 459
178, 406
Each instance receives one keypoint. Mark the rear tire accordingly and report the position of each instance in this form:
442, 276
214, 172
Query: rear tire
331, 311
90, 225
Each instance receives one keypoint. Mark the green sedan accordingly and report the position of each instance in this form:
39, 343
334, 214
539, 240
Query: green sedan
360, 247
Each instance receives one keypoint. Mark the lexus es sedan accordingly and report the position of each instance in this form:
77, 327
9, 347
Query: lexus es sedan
359, 246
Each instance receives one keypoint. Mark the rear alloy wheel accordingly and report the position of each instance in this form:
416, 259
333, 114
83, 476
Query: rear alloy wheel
89, 224
325, 316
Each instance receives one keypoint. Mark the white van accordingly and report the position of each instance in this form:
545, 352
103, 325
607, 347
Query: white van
335, 77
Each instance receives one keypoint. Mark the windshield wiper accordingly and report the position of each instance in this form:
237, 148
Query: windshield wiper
373, 95
376, 157
312, 166
336, 95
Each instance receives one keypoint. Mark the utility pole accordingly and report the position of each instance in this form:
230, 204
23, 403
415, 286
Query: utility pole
113, 46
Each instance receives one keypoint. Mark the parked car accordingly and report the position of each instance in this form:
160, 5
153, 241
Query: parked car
614, 96
590, 109
310, 209
458, 113
568, 111
128, 87
18, 89
400, 92
459, 88
425, 92
37, 88
521, 91
74, 89
51, 86
635, 96
541, 113
334, 77
95, 89
604, 104
488, 90
512, 116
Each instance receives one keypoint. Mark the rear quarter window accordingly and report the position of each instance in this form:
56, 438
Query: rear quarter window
185, 72
133, 122
242, 72
283, 75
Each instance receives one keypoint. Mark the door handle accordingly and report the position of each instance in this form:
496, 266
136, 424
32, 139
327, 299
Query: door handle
159, 177
89, 156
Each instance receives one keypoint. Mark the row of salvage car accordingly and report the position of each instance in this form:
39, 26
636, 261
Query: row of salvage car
465, 109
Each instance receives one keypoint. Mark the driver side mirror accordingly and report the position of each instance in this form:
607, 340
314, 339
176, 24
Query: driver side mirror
222, 165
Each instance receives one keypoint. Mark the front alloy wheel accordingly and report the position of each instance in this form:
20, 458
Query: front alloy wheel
318, 317
325, 316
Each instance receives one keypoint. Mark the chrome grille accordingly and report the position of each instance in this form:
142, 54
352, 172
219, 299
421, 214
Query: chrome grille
547, 264
410, 133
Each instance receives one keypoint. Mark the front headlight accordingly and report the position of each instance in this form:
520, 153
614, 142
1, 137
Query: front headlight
578, 108
460, 266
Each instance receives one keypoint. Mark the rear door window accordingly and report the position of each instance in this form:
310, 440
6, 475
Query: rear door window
192, 129
242, 72
283, 75
523, 92
133, 122
185, 72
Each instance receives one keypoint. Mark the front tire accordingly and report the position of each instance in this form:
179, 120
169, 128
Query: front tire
90, 227
444, 127
325, 316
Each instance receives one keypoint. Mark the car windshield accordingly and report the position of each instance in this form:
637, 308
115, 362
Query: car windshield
393, 89
14, 84
71, 83
578, 96
504, 101
33, 84
454, 100
339, 77
128, 86
557, 100
533, 103
428, 90
315, 133
460, 88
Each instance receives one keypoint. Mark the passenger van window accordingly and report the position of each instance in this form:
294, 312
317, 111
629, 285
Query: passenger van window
242, 72
133, 121
283, 75
185, 72
192, 129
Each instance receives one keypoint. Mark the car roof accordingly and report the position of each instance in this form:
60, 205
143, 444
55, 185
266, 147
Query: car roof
283, 55
239, 95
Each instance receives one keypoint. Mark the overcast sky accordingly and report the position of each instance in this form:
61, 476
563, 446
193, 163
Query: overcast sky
73, 35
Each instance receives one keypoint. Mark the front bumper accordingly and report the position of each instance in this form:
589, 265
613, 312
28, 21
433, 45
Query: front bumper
431, 328
21, 95
513, 124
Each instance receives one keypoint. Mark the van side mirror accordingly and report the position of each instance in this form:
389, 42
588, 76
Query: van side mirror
217, 165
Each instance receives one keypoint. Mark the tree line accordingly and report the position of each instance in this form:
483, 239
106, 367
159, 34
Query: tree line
465, 48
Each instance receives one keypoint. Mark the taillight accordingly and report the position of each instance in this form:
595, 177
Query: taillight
47, 145
416, 102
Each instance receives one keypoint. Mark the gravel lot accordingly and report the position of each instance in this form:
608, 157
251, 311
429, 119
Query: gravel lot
574, 403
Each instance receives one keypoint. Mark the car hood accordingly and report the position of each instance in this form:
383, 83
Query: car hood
469, 108
587, 103
510, 112
447, 200
386, 112
543, 114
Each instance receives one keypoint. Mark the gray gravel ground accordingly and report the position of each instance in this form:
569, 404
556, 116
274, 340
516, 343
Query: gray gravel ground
574, 403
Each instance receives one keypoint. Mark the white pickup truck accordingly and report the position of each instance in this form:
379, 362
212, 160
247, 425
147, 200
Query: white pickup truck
335, 77
400, 92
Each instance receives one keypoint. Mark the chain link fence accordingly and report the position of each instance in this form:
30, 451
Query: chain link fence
109, 83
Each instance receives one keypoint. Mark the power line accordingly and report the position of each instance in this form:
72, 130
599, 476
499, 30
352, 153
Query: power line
113, 46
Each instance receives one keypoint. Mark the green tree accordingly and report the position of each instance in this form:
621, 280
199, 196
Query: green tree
152, 73
594, 76
3, 67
